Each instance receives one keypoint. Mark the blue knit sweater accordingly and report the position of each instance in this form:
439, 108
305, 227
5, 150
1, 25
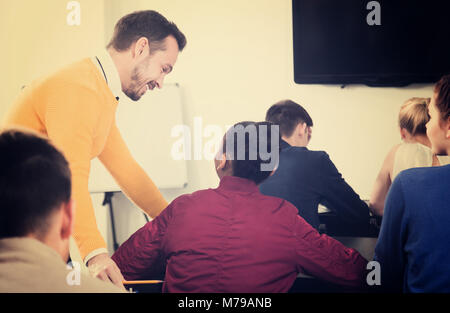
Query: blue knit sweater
413, 248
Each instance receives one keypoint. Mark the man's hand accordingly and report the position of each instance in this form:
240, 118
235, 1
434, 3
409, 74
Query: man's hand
104, 268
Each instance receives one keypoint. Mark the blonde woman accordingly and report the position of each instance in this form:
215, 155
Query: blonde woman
414, 151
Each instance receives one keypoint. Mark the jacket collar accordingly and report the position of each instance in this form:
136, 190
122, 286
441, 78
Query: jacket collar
233, 183
284, 145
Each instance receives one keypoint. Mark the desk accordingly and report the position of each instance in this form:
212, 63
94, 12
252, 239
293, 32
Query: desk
155, 287
332, 225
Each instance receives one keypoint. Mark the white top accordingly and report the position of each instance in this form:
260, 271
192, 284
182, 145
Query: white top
409, 155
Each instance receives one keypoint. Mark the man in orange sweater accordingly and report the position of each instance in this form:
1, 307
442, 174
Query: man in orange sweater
75, 107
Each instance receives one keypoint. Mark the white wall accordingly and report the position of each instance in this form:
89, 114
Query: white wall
36, 40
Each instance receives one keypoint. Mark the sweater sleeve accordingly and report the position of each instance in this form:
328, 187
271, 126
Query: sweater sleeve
339, 195
70, 120
326, 258
389, 249
130, 176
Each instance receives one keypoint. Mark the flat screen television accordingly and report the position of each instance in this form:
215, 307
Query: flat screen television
376, 43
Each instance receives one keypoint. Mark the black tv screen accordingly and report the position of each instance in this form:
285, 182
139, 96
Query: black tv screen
377, 43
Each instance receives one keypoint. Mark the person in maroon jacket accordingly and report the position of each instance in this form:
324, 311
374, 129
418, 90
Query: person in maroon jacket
234, 239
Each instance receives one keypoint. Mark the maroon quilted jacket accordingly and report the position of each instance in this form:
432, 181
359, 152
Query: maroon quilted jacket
234, 239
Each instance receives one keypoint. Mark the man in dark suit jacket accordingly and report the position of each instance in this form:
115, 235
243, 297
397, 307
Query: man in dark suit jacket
306, 178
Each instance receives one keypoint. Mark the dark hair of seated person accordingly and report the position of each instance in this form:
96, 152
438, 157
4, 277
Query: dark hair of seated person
34, 181
261, 139
288, 114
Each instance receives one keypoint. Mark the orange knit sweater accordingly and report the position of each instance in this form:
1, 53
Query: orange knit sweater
76, 109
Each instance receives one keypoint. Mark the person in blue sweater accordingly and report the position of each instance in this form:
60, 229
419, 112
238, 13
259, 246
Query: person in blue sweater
413, 245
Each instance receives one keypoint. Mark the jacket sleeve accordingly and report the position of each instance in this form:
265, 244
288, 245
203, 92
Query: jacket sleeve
70, 121
339, 195
390, 243
130, 176
138, 257
326, 258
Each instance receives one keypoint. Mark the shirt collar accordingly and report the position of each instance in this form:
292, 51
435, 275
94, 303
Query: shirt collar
234, 183
107, 68
285, 145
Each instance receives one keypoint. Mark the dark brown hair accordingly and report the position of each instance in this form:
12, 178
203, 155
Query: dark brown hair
149, 24
442, 92
248, 156
34, 181
288, 114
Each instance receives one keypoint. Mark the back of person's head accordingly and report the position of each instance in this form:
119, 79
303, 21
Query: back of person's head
34, 181
288, 114
442, 96
149, 24
253, 149
413, 116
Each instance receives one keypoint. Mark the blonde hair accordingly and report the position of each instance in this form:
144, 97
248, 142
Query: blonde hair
413, 116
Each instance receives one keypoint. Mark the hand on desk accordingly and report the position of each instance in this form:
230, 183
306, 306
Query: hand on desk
104, 268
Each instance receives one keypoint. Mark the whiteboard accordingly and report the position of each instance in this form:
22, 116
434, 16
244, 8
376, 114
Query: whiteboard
146, 127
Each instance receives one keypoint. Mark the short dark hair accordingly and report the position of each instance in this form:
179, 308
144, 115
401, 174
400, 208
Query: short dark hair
288, 114
149, 24
442, 91
247, 159
34, 180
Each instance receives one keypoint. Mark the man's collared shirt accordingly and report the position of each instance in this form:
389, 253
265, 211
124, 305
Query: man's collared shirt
107, 68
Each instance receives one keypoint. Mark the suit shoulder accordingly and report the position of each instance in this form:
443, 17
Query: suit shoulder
319, 156
301, 151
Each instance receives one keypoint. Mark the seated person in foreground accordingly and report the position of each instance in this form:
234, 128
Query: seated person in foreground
36, 219
415, 151
306, 178
234, 239
413, 246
